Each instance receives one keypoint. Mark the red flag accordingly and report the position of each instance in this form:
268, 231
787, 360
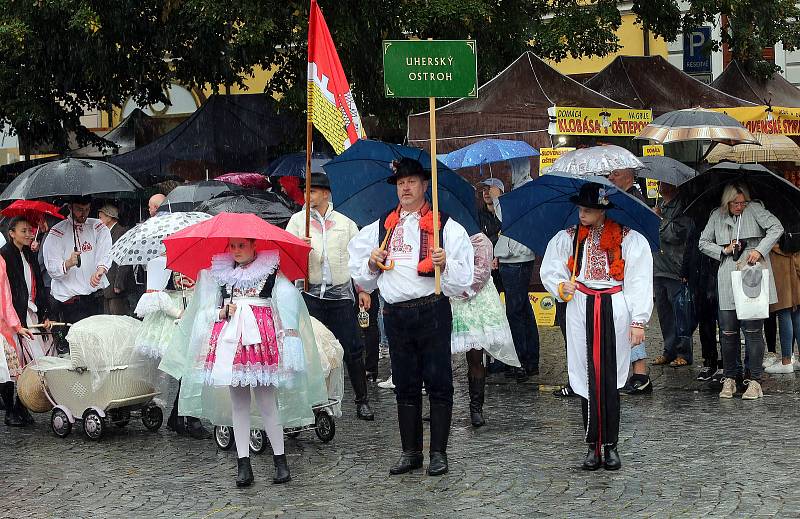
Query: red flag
331, 106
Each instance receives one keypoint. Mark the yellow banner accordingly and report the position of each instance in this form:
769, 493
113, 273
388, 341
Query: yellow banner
652, 150
547, 156
611, 122
544, 308
776, 120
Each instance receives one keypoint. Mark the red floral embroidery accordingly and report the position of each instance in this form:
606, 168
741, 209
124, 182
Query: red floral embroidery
604, 253
426, 227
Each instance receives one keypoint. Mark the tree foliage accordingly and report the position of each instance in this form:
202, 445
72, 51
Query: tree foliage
752, 26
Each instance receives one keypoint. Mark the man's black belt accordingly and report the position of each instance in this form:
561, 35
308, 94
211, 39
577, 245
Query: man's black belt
75, 299
416, 303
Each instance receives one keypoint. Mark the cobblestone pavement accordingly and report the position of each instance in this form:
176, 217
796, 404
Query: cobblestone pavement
685, 453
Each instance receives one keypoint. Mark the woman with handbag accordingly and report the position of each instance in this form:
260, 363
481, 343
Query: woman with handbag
740, 234
786, 270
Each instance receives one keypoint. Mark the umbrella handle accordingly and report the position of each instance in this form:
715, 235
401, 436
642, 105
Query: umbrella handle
390, 265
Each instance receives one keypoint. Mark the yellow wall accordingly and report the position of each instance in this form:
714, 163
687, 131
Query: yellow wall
631, 41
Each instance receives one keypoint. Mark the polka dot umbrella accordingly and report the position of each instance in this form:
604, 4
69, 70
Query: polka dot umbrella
143, 242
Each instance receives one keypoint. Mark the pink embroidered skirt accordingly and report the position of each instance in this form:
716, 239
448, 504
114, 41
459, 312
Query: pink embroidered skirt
255, 364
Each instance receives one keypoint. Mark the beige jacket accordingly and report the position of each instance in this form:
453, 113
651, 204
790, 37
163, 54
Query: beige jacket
338, 231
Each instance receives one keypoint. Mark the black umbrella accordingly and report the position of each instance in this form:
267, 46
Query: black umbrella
185, 197
70, 177
703, 193
268, 206
666, 169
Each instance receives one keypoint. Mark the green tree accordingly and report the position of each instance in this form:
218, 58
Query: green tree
752, 26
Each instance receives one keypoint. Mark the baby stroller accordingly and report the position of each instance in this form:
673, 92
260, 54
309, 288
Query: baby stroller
103, 381
331, 354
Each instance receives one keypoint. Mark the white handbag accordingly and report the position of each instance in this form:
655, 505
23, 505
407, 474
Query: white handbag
749, 308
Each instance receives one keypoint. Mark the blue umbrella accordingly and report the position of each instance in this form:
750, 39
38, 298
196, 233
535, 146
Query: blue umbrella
360, 191
294, 164
488, 151
535, 212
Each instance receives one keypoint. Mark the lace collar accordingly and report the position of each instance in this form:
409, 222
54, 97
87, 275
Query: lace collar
225, 271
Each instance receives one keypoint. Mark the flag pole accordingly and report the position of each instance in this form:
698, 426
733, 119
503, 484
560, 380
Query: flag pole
309, 131
435, 191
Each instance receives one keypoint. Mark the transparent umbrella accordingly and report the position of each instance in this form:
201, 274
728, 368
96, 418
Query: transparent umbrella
597, 160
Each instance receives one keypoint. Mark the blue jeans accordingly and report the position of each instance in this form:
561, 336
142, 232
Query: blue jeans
788, 329
516, 278
677, 342
419, 339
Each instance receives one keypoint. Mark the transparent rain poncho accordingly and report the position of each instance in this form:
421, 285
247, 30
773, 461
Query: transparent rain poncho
331, 354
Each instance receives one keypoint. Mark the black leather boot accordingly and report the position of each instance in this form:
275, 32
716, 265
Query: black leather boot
441, 415
22, 412
244, 478
477, 387
409, 417
612, 461
281, 470
195, 429
592, 460
358, 378
12, 419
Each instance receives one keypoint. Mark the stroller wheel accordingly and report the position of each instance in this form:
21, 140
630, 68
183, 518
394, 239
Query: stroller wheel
223, 436
93, 424
60, 423
325, 427
152, 417
258, 441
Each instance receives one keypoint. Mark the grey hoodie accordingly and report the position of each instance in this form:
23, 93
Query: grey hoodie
506, 249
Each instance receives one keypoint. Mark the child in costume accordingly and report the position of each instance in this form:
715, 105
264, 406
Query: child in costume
480, 324
247, 332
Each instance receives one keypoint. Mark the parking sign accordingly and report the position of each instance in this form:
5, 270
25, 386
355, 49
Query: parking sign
696, 56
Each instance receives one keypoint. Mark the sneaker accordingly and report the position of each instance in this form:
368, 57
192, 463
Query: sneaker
753, 391
386, 384
770, 358
640, 386
728, 388
780, 368
705, 374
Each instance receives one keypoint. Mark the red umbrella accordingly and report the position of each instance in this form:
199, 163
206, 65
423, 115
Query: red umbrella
32, 210
190, 250
244, 179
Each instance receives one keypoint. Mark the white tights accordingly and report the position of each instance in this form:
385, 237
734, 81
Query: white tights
268, 405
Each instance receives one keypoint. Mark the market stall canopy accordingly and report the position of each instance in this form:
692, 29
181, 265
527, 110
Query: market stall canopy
134, 131
512, 105
651, 82
227, 133
775, 91
771, 148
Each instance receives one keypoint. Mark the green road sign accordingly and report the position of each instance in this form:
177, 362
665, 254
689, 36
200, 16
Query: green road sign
430, 68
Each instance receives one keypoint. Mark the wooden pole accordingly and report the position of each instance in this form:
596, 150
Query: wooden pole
435, 192
309, 131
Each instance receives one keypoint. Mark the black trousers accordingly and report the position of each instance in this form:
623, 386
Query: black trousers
707, 313
601, 410
371, 336
420, 350
341, 318
72, 311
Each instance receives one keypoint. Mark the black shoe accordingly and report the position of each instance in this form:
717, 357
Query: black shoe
705, 374
23, 413
612, 461
533, 372
13, 420
372, 376
521, 375
640, 385
245, 476
364, 412
178, 426
281, 470
716, 380
408, 461
565, 391
196, 430
592, 459
438, 464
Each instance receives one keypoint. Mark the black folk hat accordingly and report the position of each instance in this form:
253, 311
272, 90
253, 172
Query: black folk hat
320, 180
407, 167
593, 196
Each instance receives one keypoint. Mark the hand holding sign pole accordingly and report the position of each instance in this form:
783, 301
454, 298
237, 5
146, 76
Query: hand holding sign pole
431, 68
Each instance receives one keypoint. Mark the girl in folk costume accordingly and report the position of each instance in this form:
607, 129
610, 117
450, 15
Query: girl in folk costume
29, 302
480, 324
159, 308
609, 289
10, 360
247, 331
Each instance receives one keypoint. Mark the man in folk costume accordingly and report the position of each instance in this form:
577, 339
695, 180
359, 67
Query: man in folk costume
609, 290
396, 255
330, 296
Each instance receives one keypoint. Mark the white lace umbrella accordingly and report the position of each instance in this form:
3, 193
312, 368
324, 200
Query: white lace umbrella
143, 243
597, 160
